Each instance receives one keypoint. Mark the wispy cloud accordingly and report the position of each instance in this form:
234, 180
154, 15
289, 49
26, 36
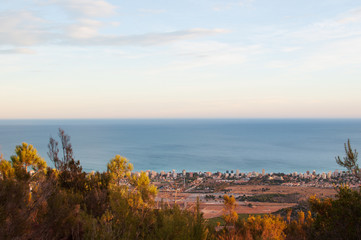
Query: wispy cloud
21, 28
83, 29
147, 38
351, 17
87, 8
192, 55
24, 28
17, 51
345, 25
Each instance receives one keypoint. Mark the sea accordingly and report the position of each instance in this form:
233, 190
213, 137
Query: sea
276, 145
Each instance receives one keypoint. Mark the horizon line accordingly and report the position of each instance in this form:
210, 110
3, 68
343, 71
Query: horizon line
196, 118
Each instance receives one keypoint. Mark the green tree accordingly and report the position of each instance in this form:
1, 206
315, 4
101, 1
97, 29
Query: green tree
350, 160
338, 218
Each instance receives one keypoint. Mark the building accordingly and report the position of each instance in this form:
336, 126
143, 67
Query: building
323, 175
153, 174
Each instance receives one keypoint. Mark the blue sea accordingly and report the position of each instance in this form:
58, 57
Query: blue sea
276, 145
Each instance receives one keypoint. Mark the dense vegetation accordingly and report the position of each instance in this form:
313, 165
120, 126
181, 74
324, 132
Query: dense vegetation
38, 202
272, 197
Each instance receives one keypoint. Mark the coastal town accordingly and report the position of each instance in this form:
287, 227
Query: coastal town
207, 182
255, 192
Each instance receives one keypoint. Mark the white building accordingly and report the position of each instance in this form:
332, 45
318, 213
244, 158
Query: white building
323, 175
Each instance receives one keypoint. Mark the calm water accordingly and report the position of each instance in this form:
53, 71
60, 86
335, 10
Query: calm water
194, 145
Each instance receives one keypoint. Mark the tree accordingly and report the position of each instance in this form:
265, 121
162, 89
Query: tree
26, 156
230, 215
350, 160
143, 192
71, 173
337, 218
118, 168
6, 170
68, 158
266, 227
300, 228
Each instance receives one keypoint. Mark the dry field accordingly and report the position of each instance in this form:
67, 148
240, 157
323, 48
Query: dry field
306, 192
213, 208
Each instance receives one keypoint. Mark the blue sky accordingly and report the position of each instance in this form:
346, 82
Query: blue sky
180, 59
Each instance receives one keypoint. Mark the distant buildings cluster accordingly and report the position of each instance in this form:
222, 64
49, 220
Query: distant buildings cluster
237, 174
295, 178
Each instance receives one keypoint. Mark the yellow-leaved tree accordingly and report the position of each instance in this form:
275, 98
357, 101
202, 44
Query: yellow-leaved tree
137, 189
119, 168
268, 227
6, 170
230, 215
143, 192
27, 156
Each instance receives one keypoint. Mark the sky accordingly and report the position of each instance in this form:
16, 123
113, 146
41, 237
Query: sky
180, 59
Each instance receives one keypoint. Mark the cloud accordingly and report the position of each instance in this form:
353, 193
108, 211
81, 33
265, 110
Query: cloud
192, 55
21, 28
87, 8
17, 51
147, 38
83, 29
343, 26
352, 17
25, 29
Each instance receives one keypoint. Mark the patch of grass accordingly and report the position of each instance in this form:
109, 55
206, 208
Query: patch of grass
272, 197
213, 221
